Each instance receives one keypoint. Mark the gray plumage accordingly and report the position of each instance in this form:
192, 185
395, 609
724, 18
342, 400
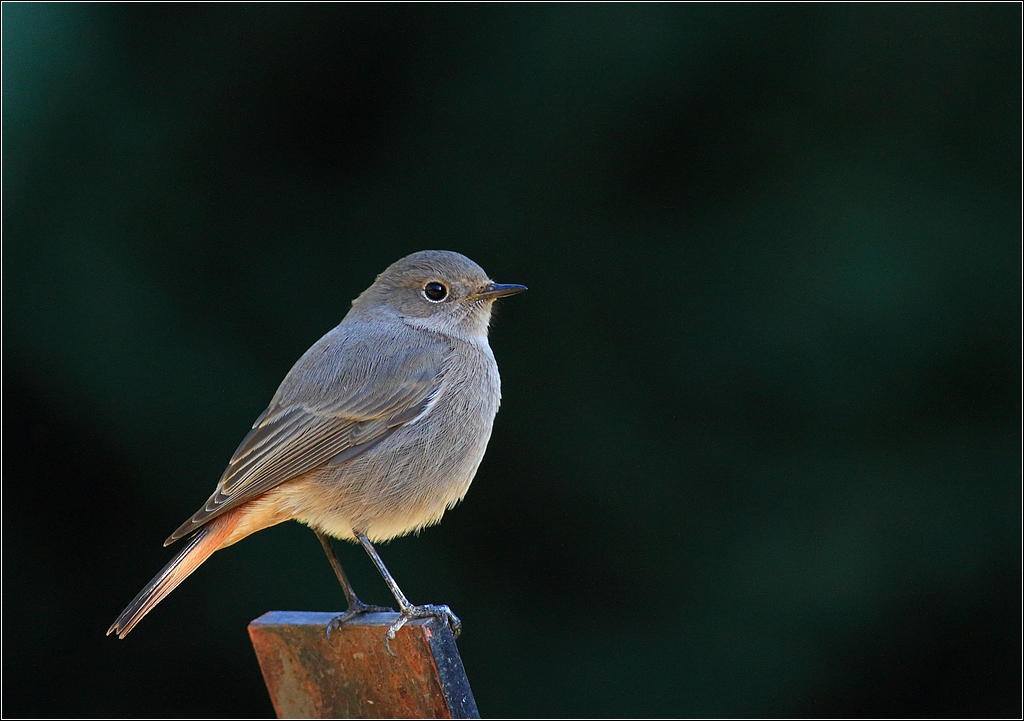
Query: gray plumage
377, 429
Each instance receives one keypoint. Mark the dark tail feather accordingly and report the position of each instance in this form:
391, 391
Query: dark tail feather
200, 547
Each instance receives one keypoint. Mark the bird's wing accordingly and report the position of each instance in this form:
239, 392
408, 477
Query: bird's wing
328, 410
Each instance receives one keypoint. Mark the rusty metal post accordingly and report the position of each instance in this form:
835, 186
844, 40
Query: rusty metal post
352, 675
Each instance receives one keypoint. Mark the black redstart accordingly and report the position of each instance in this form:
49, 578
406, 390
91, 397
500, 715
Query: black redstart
375, 432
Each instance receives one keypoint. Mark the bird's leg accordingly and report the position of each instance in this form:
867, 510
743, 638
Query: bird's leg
355, 606
408, 611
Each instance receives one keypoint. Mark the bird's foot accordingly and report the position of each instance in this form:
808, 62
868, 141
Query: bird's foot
441, 613
356, 608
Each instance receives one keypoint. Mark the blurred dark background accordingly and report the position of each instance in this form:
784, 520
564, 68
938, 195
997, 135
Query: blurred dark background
759, 449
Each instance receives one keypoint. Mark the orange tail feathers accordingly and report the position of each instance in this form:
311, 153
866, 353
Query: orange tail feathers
200, 547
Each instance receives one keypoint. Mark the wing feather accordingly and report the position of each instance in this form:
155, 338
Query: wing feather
346, 409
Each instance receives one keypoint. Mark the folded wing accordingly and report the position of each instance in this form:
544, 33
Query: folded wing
327, 410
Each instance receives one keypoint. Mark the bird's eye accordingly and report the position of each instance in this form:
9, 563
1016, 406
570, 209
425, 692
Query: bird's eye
435, 291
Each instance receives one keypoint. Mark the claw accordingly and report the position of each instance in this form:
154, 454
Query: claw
390, 635
440, 612
356, 609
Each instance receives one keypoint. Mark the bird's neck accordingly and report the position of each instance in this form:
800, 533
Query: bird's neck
472, 333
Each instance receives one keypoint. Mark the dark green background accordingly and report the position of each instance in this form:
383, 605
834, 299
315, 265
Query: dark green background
759, 449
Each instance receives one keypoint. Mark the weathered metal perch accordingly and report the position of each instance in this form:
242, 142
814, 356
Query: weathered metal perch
352, 675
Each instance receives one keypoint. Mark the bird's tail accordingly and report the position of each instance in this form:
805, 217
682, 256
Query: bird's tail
200, 547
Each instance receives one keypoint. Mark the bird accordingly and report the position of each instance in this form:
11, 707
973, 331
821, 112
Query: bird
374, 433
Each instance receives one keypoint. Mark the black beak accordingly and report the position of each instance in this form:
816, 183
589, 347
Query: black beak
499, 290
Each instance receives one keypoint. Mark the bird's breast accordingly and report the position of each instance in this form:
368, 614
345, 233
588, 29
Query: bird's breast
426, 466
